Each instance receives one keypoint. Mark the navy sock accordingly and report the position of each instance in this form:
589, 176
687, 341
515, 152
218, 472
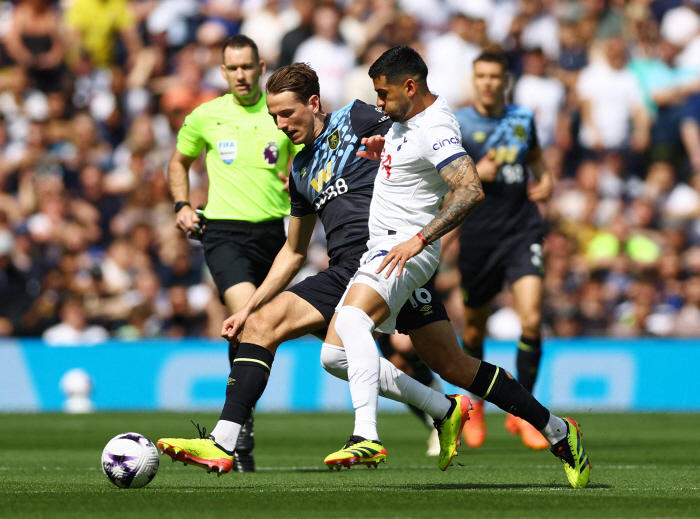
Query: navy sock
249, 374
528, 361
493, 385
421, 372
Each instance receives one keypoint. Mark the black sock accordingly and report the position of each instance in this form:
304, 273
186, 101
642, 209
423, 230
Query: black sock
247, 381
493, 385
232, 352
421, 372
528, 361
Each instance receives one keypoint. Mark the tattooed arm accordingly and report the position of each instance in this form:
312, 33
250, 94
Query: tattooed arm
467, 193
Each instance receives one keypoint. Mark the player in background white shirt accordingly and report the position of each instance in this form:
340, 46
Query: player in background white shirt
421, 161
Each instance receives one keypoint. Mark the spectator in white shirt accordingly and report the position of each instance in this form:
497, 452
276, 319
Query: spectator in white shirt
74, 330
543, 95
610, 100
328, 55
449, 58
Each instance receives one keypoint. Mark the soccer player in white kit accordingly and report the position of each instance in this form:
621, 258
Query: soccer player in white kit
422, 160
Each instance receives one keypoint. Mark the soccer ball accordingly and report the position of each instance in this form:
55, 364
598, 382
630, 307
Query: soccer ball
130, 460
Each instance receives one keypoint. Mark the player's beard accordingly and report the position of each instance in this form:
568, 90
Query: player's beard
398, 114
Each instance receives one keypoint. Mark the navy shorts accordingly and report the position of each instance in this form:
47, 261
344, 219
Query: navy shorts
485, 269
324, 290
236, 252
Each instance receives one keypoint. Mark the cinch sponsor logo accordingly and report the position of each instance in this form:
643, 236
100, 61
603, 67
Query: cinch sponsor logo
444, 142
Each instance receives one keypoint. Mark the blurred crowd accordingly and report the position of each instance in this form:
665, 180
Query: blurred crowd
93, 92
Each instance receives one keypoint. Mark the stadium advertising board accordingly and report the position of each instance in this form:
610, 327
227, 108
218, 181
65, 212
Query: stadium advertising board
577, 374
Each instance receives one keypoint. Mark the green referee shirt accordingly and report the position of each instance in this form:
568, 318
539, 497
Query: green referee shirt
245, 152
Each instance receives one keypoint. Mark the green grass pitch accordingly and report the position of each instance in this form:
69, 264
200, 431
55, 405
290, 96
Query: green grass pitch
644, 465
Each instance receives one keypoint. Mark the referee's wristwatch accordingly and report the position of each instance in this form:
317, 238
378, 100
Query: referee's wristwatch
179, 205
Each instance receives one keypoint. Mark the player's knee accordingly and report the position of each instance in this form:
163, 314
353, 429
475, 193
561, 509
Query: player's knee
261, 329
334, 360
531, 323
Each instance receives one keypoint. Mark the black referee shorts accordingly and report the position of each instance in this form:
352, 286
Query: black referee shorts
241, 251
324, 290
484, 269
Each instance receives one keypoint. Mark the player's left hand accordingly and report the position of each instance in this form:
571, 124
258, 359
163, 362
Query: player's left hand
540, 191
374, 145
234, 325
284, 178
399, 255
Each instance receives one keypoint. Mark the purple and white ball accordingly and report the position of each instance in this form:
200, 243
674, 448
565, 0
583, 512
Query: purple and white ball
130, 460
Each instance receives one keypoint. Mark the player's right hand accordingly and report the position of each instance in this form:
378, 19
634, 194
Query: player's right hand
374, 145
185, 219
399, 255
234, 325
487, 167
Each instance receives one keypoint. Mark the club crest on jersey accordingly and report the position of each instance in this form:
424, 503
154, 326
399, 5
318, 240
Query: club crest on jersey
271, 153
334, 139
519, 131
479, 136
227, 151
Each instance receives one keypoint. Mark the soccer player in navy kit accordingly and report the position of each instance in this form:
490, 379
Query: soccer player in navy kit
503, 241
339, 190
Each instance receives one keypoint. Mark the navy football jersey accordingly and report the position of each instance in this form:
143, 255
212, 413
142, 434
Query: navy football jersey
506, 211
329, 179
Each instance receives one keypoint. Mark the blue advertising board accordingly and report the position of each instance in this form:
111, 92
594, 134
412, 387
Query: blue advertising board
576, 374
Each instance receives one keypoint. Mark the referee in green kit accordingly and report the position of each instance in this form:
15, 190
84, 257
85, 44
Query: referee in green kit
247, 160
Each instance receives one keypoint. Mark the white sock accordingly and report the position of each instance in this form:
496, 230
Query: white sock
555, 430
355, 328
396, 385
393, 383
226, 434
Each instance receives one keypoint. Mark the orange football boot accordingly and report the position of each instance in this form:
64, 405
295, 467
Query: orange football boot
474, 431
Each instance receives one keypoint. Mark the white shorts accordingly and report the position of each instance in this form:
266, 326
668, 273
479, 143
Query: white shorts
395, 290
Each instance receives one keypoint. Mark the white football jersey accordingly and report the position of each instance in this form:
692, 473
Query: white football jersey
408, 189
